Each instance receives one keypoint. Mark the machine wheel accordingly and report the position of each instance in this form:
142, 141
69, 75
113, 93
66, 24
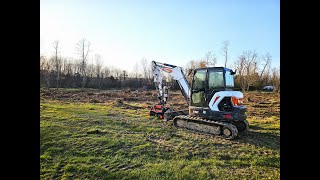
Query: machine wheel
228, 133
241, 125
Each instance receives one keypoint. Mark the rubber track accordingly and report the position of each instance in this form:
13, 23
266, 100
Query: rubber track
207, 122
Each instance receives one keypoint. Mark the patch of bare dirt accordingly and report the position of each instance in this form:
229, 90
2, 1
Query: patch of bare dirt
259, 104
262, 104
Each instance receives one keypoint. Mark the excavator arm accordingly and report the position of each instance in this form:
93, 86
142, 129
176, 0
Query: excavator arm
176, 73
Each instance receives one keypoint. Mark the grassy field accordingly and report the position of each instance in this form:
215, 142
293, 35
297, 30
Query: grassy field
105, 140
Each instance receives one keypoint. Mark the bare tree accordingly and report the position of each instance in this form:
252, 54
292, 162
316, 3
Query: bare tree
68, 69
250, 66
67, 72
98, 68
106, 72
193, 64
247, 69
136, 70
57, 62
189, 67
224, 50
90, 73
45, 68
201, 64
83, 49
267, 60
210, 59
64, 62
146, 67
276, 79
42, 62
124, 76
115, 76
239, 64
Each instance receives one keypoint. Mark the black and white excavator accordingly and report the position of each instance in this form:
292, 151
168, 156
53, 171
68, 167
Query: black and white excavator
214, 108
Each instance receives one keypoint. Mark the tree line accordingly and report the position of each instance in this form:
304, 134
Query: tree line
56, 71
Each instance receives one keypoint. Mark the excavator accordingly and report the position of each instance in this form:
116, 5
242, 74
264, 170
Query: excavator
213, 107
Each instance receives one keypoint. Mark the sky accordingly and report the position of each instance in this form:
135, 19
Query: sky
171, 31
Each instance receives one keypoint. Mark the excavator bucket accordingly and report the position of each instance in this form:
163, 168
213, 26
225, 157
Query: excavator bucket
157, 110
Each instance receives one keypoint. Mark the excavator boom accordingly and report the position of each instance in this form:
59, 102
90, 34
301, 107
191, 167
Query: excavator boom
176, 73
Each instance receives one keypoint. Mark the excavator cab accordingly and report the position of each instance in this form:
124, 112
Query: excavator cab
207, 81
212, 97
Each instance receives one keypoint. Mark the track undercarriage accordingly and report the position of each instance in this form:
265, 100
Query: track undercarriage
214, 123
226, 130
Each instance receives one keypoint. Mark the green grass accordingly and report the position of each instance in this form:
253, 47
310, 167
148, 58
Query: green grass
99, 141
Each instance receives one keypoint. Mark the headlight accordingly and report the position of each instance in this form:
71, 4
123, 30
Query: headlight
236, 101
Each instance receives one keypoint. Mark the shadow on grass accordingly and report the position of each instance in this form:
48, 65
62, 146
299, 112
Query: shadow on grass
263, 128
256, 127
260, 139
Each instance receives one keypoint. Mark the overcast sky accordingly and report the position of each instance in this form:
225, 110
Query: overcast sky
172, 31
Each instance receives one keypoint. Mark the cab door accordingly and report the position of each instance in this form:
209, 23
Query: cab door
198, 89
